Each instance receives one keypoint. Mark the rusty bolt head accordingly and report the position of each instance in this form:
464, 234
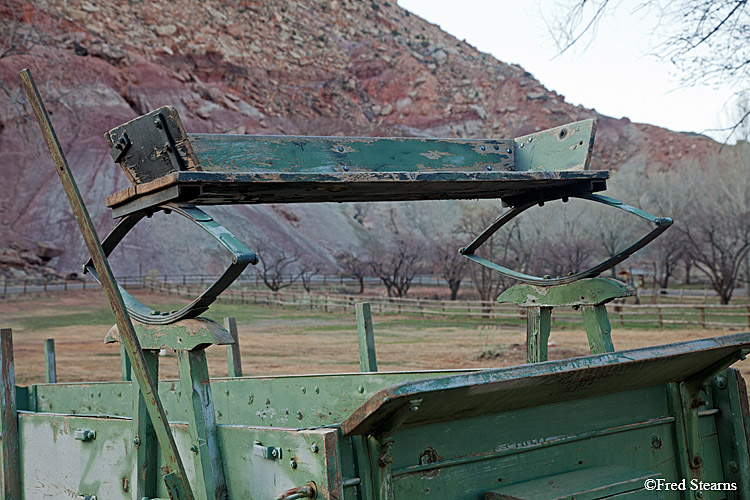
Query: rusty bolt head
655, 441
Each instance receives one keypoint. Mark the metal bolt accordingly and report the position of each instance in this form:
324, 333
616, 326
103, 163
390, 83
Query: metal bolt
341, 149
489, 168
655, 441
314, 448
317, 390
167, 147
733, 466
157, 123
510, 168
304, 390
721, 382
496, 147
346, 168
137, 441
293, 463
521, 145
698, 494
531, 139
194, 449
547, 277
361, 389
274, 452
508, 151
482, 148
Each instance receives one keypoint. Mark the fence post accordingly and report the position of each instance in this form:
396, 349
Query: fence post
661, 320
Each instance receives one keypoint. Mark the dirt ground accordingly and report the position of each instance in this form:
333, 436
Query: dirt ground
280, 341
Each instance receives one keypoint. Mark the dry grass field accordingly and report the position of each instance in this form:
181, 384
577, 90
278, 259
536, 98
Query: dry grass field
279, 341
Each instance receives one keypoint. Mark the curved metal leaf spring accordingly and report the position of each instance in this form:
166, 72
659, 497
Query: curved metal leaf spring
660, 225
241, 257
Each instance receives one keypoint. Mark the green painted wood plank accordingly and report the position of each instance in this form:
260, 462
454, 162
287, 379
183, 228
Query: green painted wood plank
287, 401
567, 147
234, 358
56, 465
589, 291
146, 474
197, 398
367, 358
538, 324
218, 188
598, 329
254, 153
730, 396
593, 483
50, 367
542, 383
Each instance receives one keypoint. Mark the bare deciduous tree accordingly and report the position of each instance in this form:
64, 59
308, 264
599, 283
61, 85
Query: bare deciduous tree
397, 266
307, 270
354, 266
705, 40
448, 264
506, 247
278, 268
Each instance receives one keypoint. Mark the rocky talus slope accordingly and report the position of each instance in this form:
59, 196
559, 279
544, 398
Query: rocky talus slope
318, 67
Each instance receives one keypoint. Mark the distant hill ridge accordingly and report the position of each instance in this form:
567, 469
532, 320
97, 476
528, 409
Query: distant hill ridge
262, 67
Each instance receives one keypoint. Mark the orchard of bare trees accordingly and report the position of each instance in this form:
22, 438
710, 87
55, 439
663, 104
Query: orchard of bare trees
709, 242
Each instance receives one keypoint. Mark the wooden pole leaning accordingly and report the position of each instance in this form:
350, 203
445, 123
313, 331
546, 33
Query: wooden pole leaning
147, 386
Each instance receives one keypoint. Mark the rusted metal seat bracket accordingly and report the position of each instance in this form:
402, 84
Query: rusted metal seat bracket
241, 257
660, 225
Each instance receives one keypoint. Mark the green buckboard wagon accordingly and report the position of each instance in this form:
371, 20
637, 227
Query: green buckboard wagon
660, 422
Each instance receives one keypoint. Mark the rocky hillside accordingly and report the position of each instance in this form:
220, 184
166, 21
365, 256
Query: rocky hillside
320, 67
